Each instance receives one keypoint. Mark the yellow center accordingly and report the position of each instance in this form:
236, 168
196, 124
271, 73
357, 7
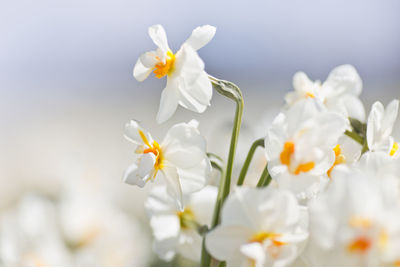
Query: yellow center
286, 155
156, 150
161, 69
186, 218
339, 158
273, 250
394, 149
310, 95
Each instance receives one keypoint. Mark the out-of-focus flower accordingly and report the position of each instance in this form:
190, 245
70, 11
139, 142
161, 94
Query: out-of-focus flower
187, 82
259, 227
29, 235
355, 222
338, 93
99, 233
175, 231
299, 147
379, 128
180, 160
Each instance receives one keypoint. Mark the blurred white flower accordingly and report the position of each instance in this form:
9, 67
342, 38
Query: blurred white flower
187, 82
356, 221
299, 147
99, 233
30, 237
180, 160
338, 93
175, 231
379, 128
259, 227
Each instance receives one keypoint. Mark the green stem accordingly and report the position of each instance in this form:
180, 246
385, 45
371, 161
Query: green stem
216, 162
232, 92
243, 172
265, 178
355, 137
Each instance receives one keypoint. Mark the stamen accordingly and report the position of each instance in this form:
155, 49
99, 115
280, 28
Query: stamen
288, 150
360, 245
394, 149
304, 167
162, 69
339, 159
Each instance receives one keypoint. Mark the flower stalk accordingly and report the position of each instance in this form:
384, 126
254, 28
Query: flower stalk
243, 172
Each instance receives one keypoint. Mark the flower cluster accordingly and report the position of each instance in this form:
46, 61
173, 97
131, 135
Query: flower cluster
329, 194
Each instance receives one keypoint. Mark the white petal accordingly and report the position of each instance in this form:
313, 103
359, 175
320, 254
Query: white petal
183, 145
201, 89
301, 82
254, 251
165, 226
159, 201
390, 117
131, 176
344, 79
188, 64
194, 179
354, 107
159, 37
171, 177
131, 132
190, 243
146, 164
374, 124
140, 71
168, 102
224, 241
149, 59
202, 204
201, 36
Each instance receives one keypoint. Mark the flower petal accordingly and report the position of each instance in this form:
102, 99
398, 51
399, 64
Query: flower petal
194, 179
168, 102
344, 79
140, 71
201, 36
200, 203
131, 176
132, 132
224, 242
159, 37
171, 177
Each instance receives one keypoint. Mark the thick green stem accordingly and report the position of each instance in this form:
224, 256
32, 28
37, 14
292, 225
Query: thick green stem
243, 172
233, 92
265, 178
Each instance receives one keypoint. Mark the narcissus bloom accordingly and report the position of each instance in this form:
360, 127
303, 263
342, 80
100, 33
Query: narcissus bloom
187, 83
356, 221
338, 93
259, 227
300, 147
180, 160
175, 231
379, 128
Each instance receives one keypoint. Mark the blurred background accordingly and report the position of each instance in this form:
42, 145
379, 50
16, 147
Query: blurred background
66, 91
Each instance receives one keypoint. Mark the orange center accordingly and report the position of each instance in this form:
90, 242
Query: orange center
286, 155
161, 69
155, 149
339, 158
360, 245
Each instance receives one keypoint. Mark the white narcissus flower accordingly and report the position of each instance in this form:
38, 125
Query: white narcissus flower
338, 93
379, 128
355, 223
299, 147
175, 231
187, 83
180, 159
259, 227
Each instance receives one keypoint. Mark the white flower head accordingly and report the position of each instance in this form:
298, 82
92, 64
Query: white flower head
299, 147
338, 93
187, 82
259, 227
355, 223
175, 230
180, 160
379, 128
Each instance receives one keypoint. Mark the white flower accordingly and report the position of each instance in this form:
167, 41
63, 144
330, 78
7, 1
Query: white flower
29, 235
259, 227
299, 147
379, 128
338, 93
180, 159
187, 83
355, 222
175, 231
